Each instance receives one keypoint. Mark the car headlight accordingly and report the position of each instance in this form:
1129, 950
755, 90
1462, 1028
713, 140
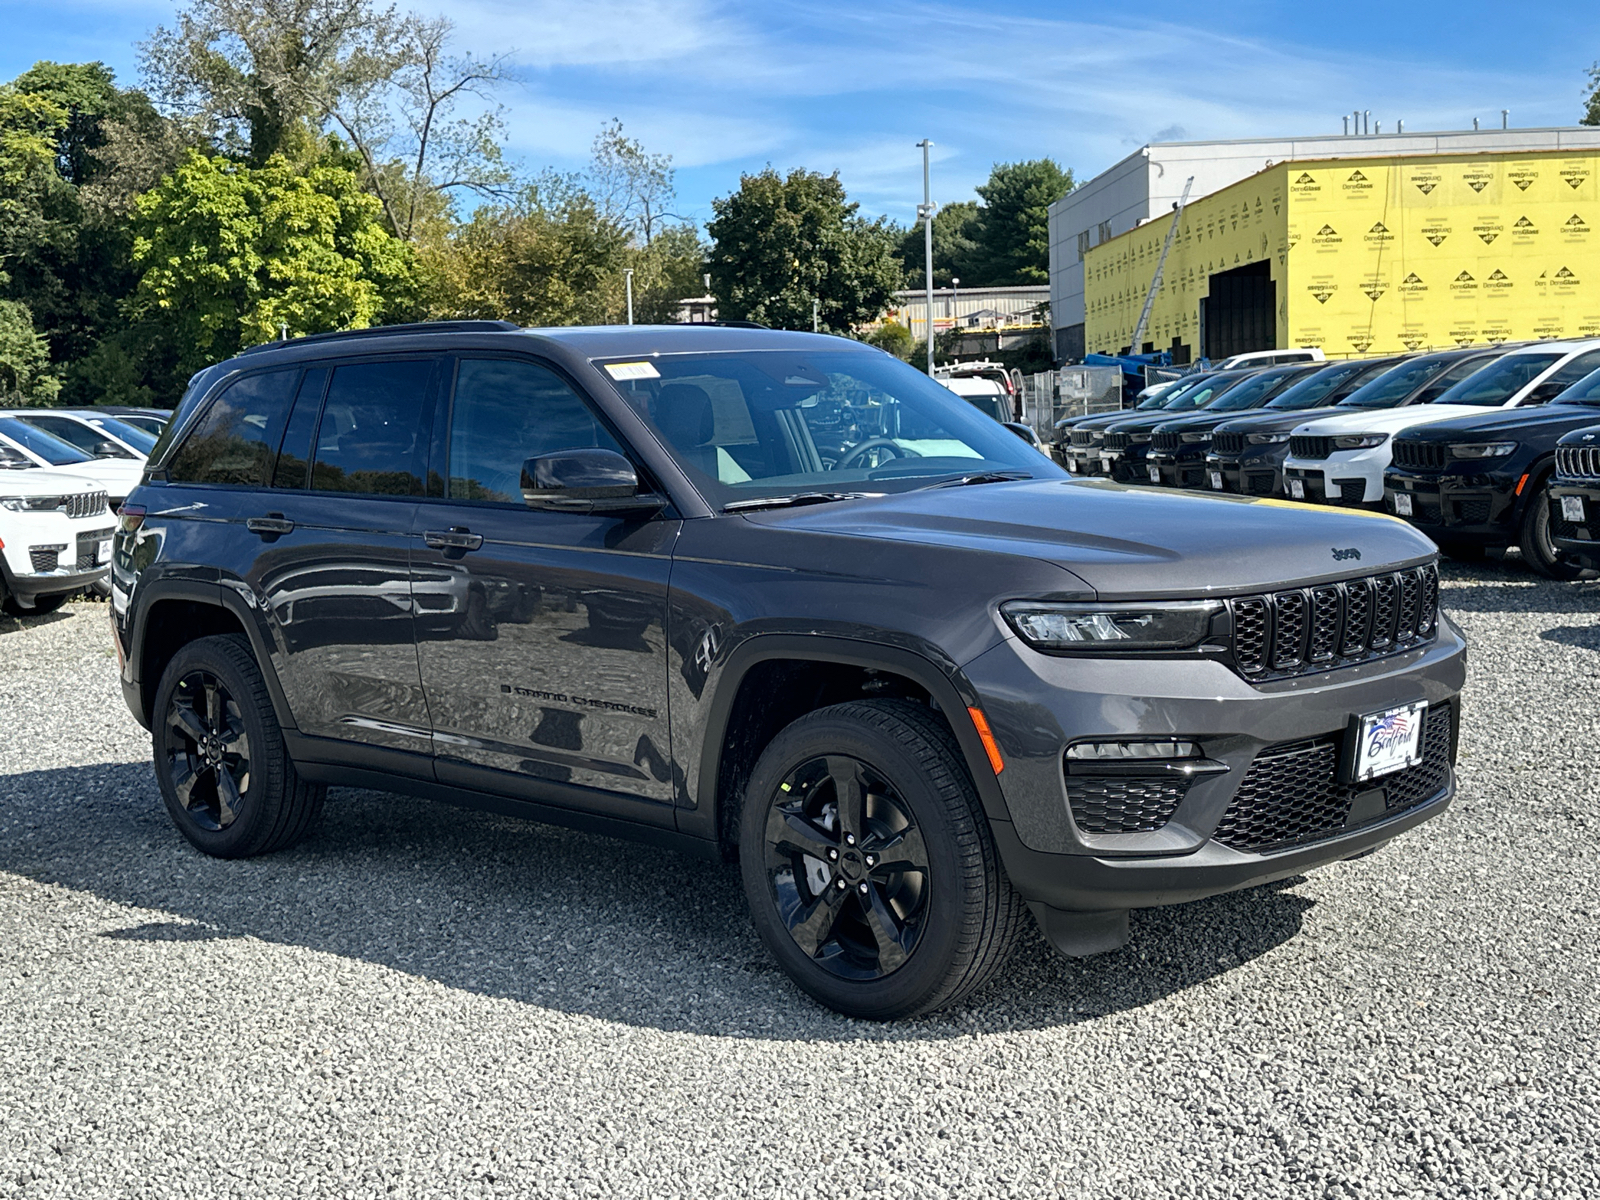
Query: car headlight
1138, 438
1193, 438
1360, 441
31, 503
1086, 628
1482, 449
1266, 439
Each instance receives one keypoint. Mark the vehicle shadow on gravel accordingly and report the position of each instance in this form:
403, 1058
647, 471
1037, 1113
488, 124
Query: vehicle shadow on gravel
569, 921
10, 624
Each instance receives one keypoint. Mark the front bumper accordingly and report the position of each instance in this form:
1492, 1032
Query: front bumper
1480, 509
1178, 469
1581, 539
1349, 479
1083, 460
1037, 705
30, 589
1247, 474
1127, 466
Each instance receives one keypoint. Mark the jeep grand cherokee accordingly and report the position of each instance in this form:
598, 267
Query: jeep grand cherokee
602, 577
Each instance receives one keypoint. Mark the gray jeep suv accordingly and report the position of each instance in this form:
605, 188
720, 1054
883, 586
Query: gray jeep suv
916, 687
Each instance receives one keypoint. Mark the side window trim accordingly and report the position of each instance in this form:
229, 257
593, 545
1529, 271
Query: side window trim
435, 360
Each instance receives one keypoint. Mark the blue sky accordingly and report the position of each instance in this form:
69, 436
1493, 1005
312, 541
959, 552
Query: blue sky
726, 87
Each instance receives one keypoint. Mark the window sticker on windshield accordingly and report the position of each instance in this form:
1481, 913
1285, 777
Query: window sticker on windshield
622, 372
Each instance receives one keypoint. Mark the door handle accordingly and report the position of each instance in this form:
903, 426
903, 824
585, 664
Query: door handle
452, 539
270, 526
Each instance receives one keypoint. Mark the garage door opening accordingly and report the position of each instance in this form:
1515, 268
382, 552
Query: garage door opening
1241, 313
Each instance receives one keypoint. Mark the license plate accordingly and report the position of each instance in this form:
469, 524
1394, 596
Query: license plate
1155, 474
1572, 509
1297, 488
1389, 741
1105, 462
1216, 480
102, 552
1072, 465
1402, 503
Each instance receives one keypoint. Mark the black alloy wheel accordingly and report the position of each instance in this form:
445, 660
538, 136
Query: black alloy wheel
208, 751
868, 862
1536, 543
847, 867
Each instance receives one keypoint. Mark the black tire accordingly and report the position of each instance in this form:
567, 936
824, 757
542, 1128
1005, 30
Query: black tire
1538, 551
1463, 552
954, 921
214, 685
41, 606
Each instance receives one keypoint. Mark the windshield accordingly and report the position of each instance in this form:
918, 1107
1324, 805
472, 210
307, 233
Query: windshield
1249, 393
46, 446
772, 423
1316, 387
1499, 381
1395, 384
138, 438
990, 406
1585, 391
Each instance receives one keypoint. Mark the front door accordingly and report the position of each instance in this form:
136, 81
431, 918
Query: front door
542, 635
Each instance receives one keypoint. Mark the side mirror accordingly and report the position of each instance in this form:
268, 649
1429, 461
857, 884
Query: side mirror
1024, 432
105, 449
585, 481
1544, 393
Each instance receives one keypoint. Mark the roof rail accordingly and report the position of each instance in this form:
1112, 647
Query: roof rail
393, 330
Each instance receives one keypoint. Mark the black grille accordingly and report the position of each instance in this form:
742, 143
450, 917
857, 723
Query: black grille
43, 558
1228, 443
1083, 437
1352, 492
1333, 625
1123, 804
1578, 462
1118, 441
1310, 447
1292, 792
1473, 510
89, 548
1166, 442
1261, 483
1417, 455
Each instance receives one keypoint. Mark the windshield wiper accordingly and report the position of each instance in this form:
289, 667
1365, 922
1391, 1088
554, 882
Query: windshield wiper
795, 500
978, 477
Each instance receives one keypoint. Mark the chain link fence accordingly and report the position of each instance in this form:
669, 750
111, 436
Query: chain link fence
1049, 397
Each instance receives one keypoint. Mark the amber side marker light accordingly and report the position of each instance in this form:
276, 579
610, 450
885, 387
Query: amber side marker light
1521, 483
981, 724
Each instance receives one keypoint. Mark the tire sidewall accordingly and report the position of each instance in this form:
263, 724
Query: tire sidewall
254, 823
930, 963
1536, 538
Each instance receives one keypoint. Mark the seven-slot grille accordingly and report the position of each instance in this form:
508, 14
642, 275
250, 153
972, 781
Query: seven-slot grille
1578, 462
1292, 792
1312, 629
1302, 446
1418, 455
86, 504
1118, 441
1083, 437
1228, 443
1166, 442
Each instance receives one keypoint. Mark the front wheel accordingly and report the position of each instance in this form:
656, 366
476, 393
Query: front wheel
1538, 549
868, 863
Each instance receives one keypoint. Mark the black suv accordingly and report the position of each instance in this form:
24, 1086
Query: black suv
1482, 483
1177, 456
1575, 497
603, 577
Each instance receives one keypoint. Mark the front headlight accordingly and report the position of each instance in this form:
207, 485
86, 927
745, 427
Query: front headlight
1360, 441
1482, 449
1086, 628
1194, 438
32, 503
1266, 439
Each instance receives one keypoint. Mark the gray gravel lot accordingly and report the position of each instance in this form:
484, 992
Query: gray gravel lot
426, 1002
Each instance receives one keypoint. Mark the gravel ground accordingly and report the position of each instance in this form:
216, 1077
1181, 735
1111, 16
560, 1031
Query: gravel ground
426, 1002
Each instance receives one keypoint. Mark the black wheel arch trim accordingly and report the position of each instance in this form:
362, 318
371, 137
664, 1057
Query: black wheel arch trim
943, 681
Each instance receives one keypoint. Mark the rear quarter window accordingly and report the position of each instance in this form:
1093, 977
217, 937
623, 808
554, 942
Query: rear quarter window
236, 439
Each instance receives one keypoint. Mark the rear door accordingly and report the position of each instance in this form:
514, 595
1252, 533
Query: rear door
543, 637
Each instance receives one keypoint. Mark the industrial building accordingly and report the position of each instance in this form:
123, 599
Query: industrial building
1359, 244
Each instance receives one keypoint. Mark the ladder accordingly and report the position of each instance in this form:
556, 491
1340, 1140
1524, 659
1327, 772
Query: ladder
1161, 266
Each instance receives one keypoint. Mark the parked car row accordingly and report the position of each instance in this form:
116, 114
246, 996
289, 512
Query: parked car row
62, 472
1442, 439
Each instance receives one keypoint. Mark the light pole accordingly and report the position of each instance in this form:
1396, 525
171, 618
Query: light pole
955, 300
925, 211
627, 280
816, 319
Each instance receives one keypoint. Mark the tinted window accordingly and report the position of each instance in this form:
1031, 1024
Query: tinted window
1251, 392
1316, 387
370, 439
236, 438
294, 457
1395, 384
506, 411
85, 437
47, 446
1585, 391
1568, 373
1447, 379
139, 439
1500, 380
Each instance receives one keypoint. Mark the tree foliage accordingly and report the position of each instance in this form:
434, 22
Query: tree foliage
25, 376
232, 254
1591, 107
954, 245
632, 187
780, 244
1003, 241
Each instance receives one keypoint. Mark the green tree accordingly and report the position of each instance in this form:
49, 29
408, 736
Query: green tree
632, 187
24, 359
954, 245
1012, 229
665, 271
894, 338
231, 254
1591, 110
780, 244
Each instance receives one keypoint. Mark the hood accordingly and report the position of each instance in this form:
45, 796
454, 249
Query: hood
1267, 419
1145, 422
1101, 420
1200, 420
45, 481
1551, 419
1388, 420
1130, 543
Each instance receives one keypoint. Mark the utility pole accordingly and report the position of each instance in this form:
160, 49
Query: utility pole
925, 211
627, 280
816, 309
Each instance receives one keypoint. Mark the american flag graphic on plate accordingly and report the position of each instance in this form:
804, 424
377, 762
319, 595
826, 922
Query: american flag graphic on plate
1390, 741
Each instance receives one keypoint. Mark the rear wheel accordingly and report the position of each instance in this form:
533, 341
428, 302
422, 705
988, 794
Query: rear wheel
1538, 549
868, 862
227, 780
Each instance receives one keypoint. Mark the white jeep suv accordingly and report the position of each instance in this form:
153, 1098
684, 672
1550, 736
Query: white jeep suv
55, 535
1341, 459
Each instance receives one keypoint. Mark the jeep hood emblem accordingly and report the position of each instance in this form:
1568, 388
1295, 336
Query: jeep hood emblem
1344, 555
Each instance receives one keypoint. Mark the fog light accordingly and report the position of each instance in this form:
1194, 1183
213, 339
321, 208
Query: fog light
1130, 751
